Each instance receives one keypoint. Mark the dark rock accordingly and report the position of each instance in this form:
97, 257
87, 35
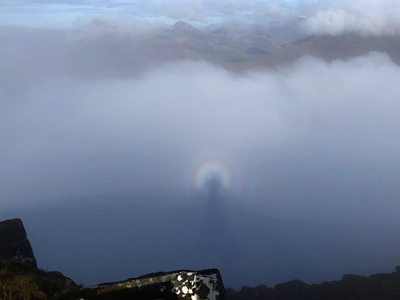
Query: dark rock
381, 277
61, 277
14, 243
352, 279
295, 289
397, 269
262, 291
183, 284
231, 294
247, 293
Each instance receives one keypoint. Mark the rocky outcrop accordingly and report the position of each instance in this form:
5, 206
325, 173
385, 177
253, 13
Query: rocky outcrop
260, 292
295, 289
378, 286
185, 285
60, 276
14, 243
291, 290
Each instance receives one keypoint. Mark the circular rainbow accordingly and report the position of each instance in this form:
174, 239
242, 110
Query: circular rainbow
212, 169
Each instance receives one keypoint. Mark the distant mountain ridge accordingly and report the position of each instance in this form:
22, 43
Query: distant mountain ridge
237, 48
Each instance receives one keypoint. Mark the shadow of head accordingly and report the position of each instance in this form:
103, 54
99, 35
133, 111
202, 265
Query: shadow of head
214, 186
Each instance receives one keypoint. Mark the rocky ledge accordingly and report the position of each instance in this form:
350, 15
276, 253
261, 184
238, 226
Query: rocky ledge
183, 284
14, 243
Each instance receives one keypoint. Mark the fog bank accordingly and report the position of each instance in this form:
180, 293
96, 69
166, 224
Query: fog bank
101, 145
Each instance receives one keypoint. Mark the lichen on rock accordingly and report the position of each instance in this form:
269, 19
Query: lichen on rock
185, 285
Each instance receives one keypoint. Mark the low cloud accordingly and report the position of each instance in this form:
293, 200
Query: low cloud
365, 18
326, 130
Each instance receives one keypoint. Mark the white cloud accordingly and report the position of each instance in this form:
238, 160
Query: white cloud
365, 18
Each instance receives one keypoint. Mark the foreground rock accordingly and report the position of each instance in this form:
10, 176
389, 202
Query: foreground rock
14, 243
193, 285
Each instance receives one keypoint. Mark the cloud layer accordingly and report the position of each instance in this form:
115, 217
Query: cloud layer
315, 127
333, 17
101, 145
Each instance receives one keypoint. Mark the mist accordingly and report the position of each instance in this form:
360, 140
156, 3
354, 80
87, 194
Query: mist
101, 142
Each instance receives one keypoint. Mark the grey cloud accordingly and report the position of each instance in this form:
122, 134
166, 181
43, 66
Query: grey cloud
309, 146
66, 135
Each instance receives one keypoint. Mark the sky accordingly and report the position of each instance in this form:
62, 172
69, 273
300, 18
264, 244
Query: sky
367, 17
119, 166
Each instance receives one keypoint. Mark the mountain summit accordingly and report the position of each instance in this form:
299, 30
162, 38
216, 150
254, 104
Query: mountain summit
181, 28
